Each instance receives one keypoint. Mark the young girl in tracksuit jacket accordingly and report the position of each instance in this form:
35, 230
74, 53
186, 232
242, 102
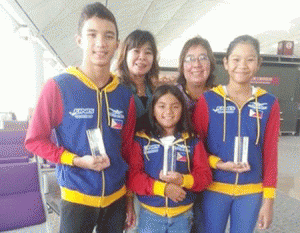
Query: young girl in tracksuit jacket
232, 118
167, 199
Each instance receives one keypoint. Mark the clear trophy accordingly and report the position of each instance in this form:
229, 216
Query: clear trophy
96, 142
241, 145
169, 156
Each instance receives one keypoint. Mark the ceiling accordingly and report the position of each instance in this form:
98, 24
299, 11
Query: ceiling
172, 22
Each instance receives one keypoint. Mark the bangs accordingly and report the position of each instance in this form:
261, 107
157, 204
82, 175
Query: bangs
140, 40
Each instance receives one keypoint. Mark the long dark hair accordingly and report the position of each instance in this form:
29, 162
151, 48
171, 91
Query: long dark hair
196, 41
136, 39
184, 124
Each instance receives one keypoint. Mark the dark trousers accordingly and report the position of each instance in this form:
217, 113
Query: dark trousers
76, 218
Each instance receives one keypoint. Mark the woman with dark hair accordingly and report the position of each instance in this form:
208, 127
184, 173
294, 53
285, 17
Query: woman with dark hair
137, 68
196, 67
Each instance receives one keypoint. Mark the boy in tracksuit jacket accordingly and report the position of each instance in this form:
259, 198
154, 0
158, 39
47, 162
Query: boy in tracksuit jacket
87, 97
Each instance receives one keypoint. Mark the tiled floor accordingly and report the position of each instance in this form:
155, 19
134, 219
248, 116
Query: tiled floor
287, 204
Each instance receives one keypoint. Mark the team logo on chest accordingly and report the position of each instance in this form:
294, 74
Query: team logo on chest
220, 109
150, 149
259, 106
82, 113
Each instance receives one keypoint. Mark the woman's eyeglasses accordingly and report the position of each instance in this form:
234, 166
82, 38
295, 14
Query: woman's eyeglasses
203, 59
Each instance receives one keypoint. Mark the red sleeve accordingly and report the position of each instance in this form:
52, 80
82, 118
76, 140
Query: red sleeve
138, 181
129, 130
200, 117
47, 115
200, 169
270, 149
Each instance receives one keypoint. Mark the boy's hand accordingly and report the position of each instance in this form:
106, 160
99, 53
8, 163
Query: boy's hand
172, 177
174, 192
233, 167
96, 163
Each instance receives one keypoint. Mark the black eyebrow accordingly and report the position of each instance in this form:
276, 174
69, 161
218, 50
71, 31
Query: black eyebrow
110, 32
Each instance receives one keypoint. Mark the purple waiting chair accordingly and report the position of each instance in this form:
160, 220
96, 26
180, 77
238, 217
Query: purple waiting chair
20, 159
22, 204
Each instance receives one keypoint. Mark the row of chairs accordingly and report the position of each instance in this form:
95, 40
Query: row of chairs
23, 207
12, 146
22, 181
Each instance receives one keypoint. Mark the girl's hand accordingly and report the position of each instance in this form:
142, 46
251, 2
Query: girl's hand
172, 177
233, 167
130, 213
97, 163
174, 192
265, 214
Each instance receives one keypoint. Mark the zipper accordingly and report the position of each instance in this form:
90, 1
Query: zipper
239, 127
167, 205
99, 124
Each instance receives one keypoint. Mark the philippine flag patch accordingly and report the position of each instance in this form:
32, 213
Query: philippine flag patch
116, 123
252, 113
181, 158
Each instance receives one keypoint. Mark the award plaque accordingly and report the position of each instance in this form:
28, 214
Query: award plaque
241, 145
96, 142
169, 156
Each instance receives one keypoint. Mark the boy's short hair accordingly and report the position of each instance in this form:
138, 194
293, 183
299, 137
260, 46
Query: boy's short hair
99, 10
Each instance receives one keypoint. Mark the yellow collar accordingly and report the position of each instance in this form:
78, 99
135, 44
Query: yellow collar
88, 82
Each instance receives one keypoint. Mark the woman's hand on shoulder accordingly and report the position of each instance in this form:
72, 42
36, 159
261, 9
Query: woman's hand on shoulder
233, 167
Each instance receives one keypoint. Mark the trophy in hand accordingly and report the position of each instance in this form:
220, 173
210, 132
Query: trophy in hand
169, 156
241, 145
96, 142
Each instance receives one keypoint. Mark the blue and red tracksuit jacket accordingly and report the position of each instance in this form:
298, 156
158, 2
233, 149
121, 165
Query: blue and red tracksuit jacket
146, 162
71, 103
220, 120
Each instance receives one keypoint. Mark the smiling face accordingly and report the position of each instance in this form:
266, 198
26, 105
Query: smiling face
242, 64
196, 66
98, 40
167, 112
139, 60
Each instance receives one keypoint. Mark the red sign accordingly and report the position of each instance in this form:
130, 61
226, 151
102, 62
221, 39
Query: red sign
266, 80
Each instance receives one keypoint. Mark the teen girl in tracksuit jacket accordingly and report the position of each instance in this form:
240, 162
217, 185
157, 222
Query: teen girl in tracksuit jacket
71, 103
220, 122
232, 118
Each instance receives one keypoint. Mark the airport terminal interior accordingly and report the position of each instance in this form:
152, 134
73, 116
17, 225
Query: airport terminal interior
38, 42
